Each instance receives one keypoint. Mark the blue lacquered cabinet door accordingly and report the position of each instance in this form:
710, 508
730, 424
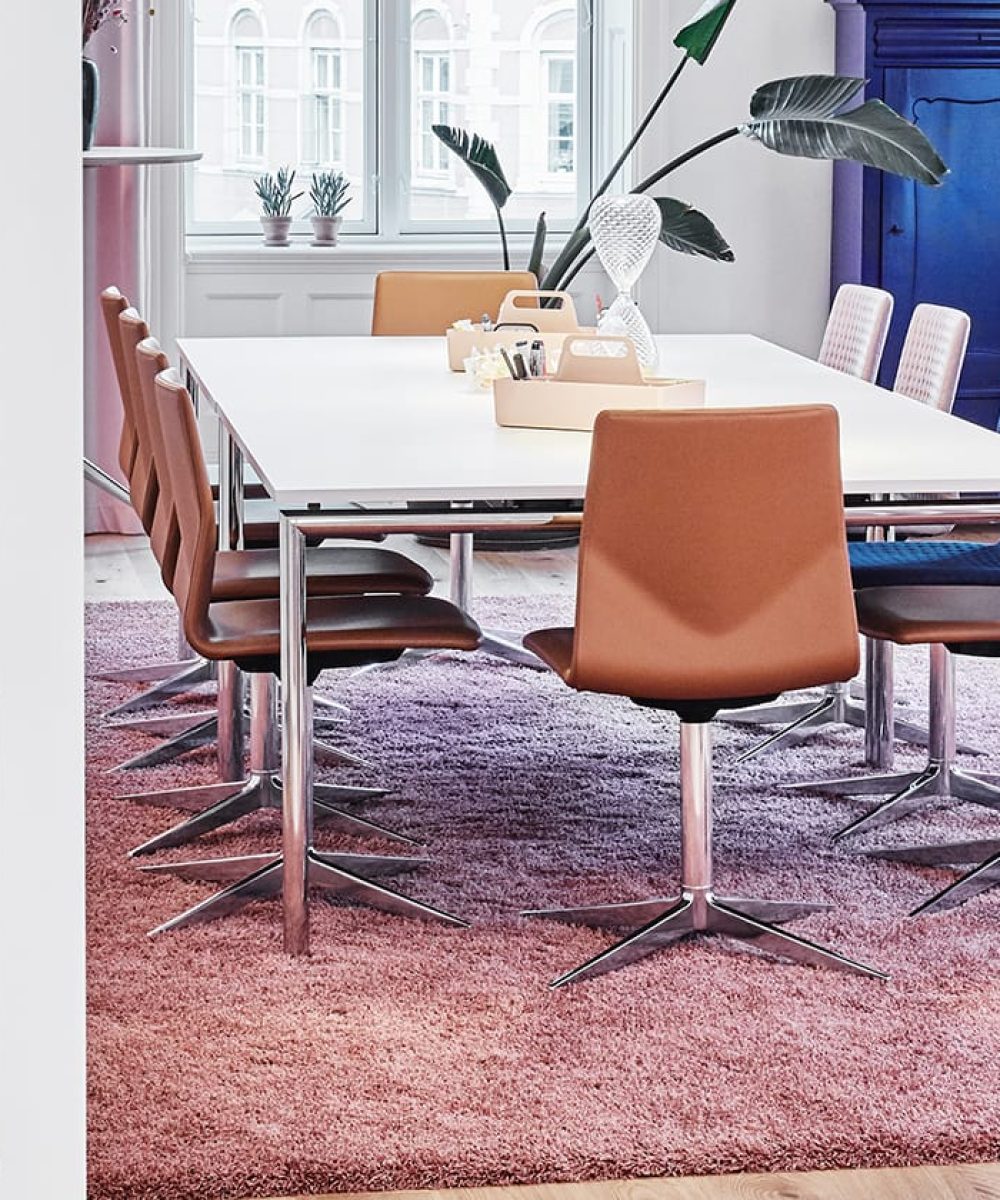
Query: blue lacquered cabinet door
943, 244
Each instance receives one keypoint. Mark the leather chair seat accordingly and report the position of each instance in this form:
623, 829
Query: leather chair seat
330, 571
555, 647
929, 615
341, 631
900, 564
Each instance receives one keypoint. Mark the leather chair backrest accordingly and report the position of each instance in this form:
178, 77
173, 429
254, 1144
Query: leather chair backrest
933, 355
113, 304
713, 556
164, 536
142, 480
856, 331
192, 501
427, 303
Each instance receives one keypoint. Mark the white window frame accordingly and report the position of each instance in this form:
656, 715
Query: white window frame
382, 214
325, 124
441, 103
552, 100
250, 89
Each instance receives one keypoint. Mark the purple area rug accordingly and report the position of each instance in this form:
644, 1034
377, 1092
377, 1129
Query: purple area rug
404, 1054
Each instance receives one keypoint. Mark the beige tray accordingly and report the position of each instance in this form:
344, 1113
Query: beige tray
553, 326
587, 384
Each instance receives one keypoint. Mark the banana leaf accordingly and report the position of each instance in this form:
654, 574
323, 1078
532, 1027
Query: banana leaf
480, 157
699, 35
689, 231
802, 117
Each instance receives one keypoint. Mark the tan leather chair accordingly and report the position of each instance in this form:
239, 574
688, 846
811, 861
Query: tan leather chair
427, 303
740, 593
341, 631
252, 575
964, 619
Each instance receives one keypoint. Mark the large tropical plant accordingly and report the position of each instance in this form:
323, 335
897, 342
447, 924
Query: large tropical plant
805, 116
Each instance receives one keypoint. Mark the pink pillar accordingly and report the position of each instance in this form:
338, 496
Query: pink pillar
112, 204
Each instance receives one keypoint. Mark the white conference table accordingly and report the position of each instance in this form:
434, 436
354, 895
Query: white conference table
330, 424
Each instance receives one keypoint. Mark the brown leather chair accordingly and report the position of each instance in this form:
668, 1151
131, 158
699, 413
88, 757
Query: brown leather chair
427, 303
341, 631
706, 584
950, 620
250, 575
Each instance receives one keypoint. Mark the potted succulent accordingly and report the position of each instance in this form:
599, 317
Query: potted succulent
329, 197
275, 192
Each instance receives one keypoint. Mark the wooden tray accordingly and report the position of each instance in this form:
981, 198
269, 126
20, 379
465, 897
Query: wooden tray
520, 308
587, 384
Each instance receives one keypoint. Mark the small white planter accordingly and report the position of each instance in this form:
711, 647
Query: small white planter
325, 230
276, 230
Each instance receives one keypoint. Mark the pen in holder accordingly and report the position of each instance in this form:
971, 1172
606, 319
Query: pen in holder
595, 373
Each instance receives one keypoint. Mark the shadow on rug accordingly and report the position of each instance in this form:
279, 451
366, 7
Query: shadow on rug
409, 1055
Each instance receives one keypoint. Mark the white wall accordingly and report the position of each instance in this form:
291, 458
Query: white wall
41, 683
774, 211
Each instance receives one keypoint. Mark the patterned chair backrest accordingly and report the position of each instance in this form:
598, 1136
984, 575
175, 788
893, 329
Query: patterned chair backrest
856, 331
933, 355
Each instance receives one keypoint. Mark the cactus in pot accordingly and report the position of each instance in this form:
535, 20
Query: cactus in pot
275, 192
329, 197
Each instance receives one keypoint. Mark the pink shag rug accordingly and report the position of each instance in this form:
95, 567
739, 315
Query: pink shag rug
404, 1054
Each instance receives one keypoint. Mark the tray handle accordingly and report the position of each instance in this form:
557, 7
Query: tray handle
575, 367
548, 320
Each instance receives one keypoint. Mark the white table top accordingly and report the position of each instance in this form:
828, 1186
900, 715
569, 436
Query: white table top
325, 421
137, 156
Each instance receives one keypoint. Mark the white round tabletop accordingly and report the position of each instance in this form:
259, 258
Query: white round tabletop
137, 156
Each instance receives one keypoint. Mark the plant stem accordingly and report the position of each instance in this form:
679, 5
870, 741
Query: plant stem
560, 264
633, 141
503, 241
672, 166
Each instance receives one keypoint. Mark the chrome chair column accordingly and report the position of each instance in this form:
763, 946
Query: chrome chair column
696, 909
910, 790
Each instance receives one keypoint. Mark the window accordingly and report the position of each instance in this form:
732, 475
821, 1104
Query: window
431, 107
250, 96
323, 123
357, 85
559, 72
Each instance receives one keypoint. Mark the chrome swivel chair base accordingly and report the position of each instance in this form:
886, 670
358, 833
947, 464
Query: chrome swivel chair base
227, 802
908, 791
261, 876
984, 876
183, 678
804, 718
696, 909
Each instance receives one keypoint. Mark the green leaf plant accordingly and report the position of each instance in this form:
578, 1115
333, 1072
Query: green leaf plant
804, 117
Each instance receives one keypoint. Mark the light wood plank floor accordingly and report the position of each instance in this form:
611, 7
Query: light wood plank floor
122, 568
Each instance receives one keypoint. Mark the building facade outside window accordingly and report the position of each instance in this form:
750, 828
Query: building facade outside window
357, 85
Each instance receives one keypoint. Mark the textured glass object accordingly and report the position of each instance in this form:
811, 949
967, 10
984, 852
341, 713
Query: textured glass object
625, 230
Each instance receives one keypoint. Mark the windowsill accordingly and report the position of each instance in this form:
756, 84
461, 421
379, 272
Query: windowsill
355, 254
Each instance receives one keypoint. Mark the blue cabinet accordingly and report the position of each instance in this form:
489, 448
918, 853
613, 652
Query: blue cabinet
939, 65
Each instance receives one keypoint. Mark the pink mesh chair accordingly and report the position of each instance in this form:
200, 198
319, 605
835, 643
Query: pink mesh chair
856, 331
933, 355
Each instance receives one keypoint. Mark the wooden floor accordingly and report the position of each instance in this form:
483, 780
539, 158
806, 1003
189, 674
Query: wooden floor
122, 568
916, 1183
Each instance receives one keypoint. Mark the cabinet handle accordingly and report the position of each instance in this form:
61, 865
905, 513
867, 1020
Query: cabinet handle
896, 230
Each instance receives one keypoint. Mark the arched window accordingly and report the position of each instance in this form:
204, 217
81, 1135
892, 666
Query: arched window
248, 45
323, 116
556, 44
432, 85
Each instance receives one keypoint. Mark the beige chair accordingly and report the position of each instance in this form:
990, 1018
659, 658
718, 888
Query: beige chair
856, 331
743, 594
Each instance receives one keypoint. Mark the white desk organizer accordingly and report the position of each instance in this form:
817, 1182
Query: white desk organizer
595, 373
552, 325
